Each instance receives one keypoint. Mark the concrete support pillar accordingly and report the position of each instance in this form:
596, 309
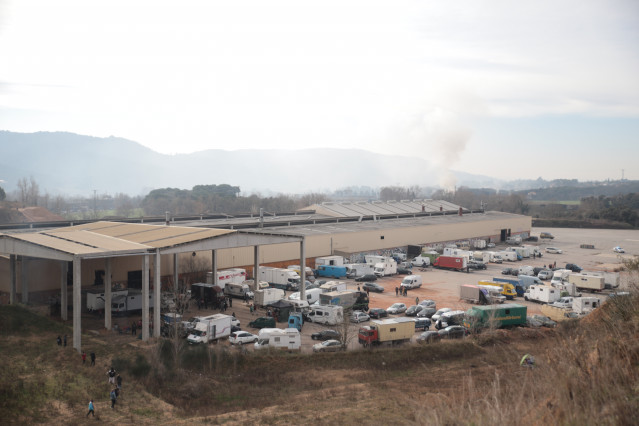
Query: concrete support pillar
157, 286
12, 285
176, 277
64, 289
256, 265
214, 266
302, 269
77, 304
24, 280
145, 298
108, 296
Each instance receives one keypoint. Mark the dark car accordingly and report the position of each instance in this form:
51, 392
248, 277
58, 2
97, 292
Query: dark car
428, 337
377, 313
403, 271
510, 271
412, 311
426, 312
453, 332
367, 277
573, 267
537, 270
473, 264
376, 288
532, 238
263, 322
326, 335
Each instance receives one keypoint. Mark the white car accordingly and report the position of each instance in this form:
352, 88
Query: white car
553, 250
396, 308
242, 337
618, 250
439, 313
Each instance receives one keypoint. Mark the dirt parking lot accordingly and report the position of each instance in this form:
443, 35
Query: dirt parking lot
443, 286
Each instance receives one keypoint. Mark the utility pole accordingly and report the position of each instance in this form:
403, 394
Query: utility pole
95, 204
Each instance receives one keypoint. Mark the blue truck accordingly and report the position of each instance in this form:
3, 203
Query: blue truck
330, 271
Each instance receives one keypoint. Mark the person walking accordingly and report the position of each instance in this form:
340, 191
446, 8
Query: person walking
92, 358
59, 340
251, 309
134, 329
230, 302
113, 396
111, 374
84, 357
417, 300
65, 340
91, 409
396, 291
119, 382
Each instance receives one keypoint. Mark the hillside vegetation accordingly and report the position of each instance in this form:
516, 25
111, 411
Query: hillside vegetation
586, 373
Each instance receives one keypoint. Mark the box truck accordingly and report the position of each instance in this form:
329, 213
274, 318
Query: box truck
587, 282
211, 329
131, 302
507, 315
494, 291
451, 262
542, 294
347, 299
329, 260
358, 269
611, 279
384, 269
267, 296
226, 276
284, 279
474, 294
392, 331
330, 271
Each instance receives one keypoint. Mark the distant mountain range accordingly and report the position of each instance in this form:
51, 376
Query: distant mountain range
69, 164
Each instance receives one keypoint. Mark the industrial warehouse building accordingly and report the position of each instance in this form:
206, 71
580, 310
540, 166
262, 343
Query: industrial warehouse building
347, 229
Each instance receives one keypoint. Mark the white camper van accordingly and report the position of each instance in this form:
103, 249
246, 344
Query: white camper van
326, 314
277, 338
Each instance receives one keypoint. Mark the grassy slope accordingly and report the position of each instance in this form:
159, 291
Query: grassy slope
586, 374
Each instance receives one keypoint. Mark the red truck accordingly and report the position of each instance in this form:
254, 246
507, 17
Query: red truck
456, 263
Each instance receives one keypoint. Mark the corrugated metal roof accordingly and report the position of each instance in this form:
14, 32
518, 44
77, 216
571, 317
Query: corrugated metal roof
79, 242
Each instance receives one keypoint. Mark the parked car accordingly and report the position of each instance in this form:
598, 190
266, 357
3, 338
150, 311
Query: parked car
242, 337
453, 332
547, 235
396, 308
439, 313
403, 271
426, 312
541, 319
377, 313
428, 303
263, 322
553, 250
312, 285
359, 316
412, 311
573, 267
618, 250
374, 287
428, 337
490, 245
532, 238
367, 277
510, 271
473, 264
328, 346
326, 335
545, 274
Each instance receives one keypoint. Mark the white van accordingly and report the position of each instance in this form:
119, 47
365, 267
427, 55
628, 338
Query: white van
286, 339
312, 295
326, 314
411, 281
422, 261
526, 270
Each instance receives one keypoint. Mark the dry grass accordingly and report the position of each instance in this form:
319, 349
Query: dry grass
586, 373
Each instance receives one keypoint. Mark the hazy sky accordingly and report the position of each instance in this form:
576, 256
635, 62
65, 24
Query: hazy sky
511, 89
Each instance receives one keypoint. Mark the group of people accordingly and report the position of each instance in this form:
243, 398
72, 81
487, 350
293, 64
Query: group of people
223, 305
401, 291
115, 380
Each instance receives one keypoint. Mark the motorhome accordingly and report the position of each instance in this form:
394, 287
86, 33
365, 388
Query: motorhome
542, 294
326, 314
312, 295
329, 261
277, 338
358, 269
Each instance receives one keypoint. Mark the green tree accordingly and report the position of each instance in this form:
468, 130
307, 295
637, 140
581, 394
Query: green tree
3, 195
